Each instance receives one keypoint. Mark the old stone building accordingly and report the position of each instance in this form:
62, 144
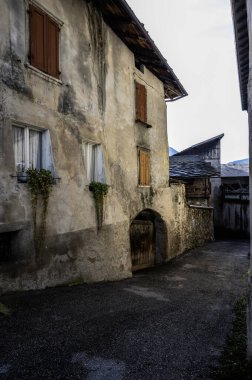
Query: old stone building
199, 166
83, 95
196, 174
207, 151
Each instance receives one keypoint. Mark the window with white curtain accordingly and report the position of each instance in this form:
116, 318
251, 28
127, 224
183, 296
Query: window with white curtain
93, 159
32, 148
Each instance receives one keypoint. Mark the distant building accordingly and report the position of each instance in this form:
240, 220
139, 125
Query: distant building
208, 151
195, 166
195, 173
224, 187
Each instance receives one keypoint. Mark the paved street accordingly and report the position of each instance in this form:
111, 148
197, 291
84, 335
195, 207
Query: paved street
165, 323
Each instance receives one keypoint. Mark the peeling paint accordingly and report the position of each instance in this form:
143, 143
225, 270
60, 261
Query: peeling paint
11, 74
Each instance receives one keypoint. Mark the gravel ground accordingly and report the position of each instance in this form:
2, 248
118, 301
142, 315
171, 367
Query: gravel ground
167, 323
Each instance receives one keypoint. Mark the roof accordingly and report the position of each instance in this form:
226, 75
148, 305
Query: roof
239, 12
232, 171
190, 167
120, 17
199, 145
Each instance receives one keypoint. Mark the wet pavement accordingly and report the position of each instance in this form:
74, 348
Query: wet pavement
166, 323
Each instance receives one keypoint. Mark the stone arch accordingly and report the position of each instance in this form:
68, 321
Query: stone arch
148, 240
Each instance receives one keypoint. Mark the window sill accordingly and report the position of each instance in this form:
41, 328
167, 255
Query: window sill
144, 186
43, 75
24, 178
143, 123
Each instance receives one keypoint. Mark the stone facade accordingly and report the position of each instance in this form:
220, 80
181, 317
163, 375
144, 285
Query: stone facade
93, 102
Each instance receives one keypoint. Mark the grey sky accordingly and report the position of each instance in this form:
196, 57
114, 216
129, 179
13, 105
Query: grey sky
196, 38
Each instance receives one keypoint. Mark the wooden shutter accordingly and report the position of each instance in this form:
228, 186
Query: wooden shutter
38, 38
52, 48
141, 102
44, 41
144, 167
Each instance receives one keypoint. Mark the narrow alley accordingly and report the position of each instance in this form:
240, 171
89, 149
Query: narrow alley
169, 322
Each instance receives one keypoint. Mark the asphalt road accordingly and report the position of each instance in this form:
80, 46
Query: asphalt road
166, 323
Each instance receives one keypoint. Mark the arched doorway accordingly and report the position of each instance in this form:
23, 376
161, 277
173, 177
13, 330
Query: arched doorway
148, 240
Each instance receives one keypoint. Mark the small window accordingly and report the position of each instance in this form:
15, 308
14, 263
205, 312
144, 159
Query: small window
141, 102
144, 167
44, 42
32, 149
93, 159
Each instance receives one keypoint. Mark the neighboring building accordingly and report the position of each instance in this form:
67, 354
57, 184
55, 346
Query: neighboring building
231, 201
224, 187
197, 165
242, 18
83, 94
208, 151
196, 174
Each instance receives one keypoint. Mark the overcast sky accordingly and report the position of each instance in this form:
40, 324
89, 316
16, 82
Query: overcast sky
196, 37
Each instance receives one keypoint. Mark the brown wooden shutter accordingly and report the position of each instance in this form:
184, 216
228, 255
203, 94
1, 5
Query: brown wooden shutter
38, 38
144, 167
147, 168
52, 48
141, 102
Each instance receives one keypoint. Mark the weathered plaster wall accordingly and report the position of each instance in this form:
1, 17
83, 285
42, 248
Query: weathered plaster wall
94, 100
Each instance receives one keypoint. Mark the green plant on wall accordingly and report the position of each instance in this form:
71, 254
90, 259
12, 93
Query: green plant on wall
40, 184
99, 191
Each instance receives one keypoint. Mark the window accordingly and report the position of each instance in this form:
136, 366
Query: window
44, 42
27, 148
144, 167
93, 159
32, 148
141, 102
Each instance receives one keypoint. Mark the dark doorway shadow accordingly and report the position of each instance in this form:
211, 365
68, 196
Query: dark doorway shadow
148, 240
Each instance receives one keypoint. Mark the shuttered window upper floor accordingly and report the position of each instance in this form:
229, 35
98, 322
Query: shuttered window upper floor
44, 42
141, 104
144, 167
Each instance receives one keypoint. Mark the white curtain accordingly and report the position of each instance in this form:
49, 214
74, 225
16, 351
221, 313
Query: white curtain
99, 171
19, 148
34, 149
93, 159
89, 158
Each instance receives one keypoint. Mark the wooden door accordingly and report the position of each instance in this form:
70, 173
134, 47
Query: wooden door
142, 245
